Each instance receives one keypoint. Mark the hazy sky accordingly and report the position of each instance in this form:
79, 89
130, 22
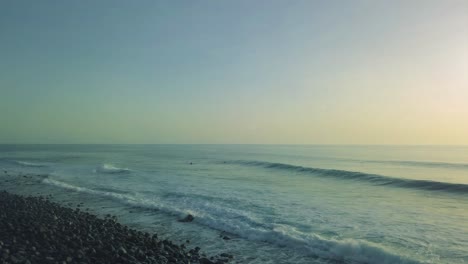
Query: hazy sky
316, 72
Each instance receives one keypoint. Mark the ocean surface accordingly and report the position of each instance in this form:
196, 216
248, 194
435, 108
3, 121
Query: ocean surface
275, 203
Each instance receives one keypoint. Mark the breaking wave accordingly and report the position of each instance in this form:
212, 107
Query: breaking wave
361, 176
109, 168
430, 164
29, 164
240, 224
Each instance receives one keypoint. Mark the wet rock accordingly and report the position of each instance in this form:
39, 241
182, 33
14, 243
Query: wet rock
122, 251
226, 255
188, 218
205, 261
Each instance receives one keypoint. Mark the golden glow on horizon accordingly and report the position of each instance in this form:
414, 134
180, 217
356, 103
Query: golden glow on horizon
356, 75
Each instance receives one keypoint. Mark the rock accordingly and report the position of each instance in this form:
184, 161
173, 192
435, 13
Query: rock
35, 230
205, 261
13, 259
122, 251
188, 218
226, 255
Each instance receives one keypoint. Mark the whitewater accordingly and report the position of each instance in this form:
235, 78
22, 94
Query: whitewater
269, 203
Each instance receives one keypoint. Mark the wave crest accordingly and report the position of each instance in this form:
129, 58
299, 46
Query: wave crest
337, 250
29, 164
430, 164
109, 168
366, 177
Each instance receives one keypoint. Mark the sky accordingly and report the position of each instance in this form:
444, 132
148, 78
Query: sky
234, 72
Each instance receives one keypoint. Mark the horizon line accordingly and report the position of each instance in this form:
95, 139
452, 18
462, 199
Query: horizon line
253, 144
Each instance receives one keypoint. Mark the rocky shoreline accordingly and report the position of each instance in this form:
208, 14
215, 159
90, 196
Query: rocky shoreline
37, 230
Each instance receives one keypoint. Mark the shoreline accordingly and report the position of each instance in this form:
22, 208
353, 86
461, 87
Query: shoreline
37, 230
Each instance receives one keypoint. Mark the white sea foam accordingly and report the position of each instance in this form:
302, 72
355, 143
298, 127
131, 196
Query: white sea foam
109, 168
352, 250
129, 199
244, 225
29, 164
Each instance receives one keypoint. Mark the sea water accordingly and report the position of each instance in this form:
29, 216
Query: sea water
269, 203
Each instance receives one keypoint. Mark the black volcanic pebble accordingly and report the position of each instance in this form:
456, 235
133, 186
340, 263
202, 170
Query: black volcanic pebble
36, 230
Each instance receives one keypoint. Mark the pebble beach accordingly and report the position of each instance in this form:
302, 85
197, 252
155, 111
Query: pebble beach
34, 229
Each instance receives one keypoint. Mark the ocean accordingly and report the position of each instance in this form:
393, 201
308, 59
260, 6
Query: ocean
267, 203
